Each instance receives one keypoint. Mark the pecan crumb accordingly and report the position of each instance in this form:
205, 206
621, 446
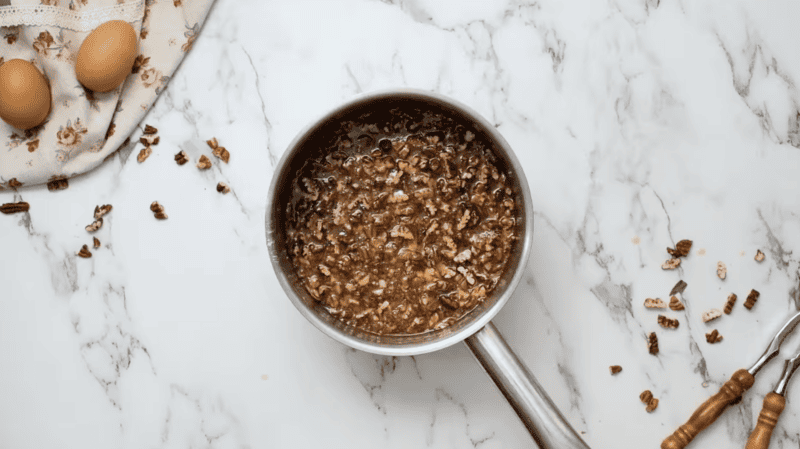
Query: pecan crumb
57, 184
97, 224
646, 396
13, 183
181, 158
711, 315
150, 129
223, 188
675, 303
13, 208
713, 337
651, 405
204, 163
615, 369
96, 243
682, 249
730, 303
84, 252
652, 343
671, 264
751, 299
212, 143
655, 303
158, 210
722, 270
221, 153
668, 323
100, 211
149, 140
759, 256
144, 154
678, 288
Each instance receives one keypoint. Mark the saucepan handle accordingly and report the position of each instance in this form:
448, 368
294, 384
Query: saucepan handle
545, 423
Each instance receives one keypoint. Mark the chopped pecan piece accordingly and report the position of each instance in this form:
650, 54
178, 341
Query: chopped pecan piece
675, 303
711, 315
96, 243
713, 337
144, 154
57, 184
652, 343
682, 249
204, 163
615, 369
148, 140
13, 208
218, 151
722, 270
181, 158
84, 252
13, 183
655, 303
646, 396
150, 129
729, 304
668, 323
158, 210
100, 211
223, 188
651, 405
671, 264
751, 299
759, 256
97, 224
678, 288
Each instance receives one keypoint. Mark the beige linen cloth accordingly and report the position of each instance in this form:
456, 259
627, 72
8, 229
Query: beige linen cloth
84, 127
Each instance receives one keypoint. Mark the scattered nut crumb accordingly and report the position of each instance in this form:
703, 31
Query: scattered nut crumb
711, 315
668, 323
751, 299
144, 154
96, 243
13, 183
722, 270
13, 208
97, 224
181, 158
655, 303
150, 129
204, 163
149, 140
675, 303
636, 240
701, 252
100, 211
57, 184
671, 264
218, 151
223, 188
615, 369
678, 288
158, 210
713, 337
652, 343
729, 304
652, 405
84, 252
759, 256
681, 249
646, 396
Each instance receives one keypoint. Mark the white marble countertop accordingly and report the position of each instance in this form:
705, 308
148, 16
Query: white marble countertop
638, 123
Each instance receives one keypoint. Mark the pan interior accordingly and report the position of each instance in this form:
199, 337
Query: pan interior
383, 111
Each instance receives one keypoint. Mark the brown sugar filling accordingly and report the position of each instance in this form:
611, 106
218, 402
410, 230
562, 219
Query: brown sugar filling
403, 235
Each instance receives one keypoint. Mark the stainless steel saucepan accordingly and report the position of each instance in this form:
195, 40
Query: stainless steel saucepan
537, 411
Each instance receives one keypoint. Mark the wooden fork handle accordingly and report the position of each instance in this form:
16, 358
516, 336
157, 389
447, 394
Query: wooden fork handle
710, 410
767, 419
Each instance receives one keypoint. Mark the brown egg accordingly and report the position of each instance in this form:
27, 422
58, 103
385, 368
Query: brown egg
106, 56
24, 94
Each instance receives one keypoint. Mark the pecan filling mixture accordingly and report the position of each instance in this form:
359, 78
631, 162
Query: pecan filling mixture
404, 235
